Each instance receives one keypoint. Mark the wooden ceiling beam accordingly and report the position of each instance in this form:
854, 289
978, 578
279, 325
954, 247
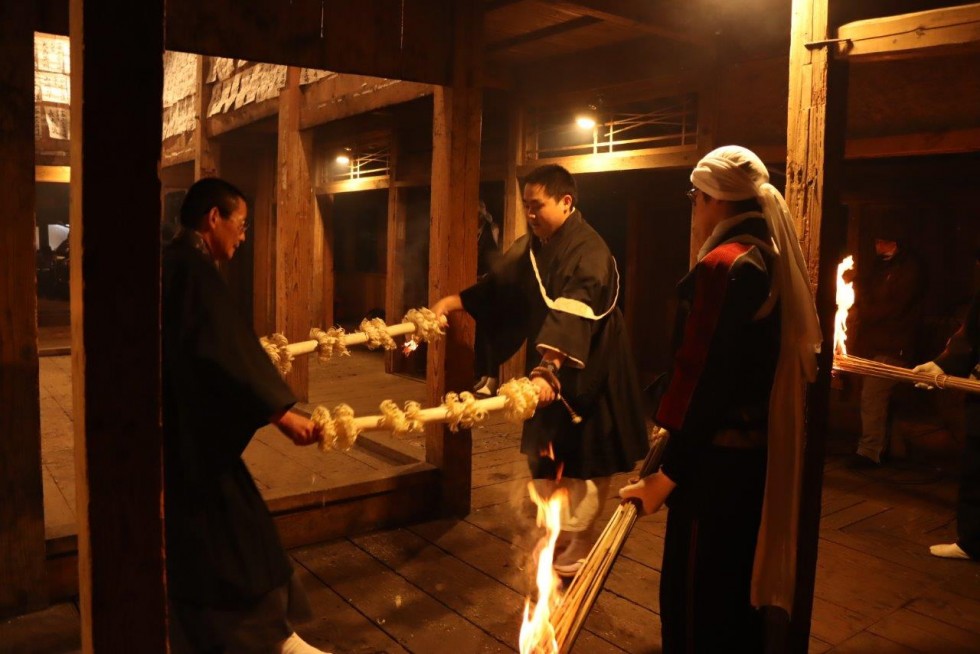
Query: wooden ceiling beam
334, 98
636, 16
380, 38
543, 33
919, 34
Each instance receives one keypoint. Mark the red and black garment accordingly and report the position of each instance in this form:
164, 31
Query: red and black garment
725, 353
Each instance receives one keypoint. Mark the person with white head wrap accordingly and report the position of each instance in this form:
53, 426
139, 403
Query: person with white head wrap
748, 346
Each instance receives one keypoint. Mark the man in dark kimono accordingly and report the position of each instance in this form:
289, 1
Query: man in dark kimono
962, 358
229, 581
556, 288
731, 316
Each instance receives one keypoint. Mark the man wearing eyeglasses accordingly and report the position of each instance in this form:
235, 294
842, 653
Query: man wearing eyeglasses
229, 580
747, 337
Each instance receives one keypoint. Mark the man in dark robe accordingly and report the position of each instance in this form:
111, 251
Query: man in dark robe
228, 578
557, 288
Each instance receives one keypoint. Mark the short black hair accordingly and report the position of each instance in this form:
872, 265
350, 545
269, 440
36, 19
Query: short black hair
556, 180
205, 194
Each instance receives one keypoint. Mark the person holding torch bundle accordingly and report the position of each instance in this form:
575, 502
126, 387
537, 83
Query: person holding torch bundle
747, 337
556, 288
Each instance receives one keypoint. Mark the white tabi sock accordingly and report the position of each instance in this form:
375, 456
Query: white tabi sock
296, 645
948, 551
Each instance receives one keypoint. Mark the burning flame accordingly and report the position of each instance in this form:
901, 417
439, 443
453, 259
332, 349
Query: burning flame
537, 632
845, 300
410, 346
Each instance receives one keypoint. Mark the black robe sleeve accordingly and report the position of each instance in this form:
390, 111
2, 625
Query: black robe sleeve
960, 354
498, 304
218, 373
591, 283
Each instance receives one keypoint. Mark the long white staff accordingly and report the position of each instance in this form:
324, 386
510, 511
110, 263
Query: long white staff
517, 398
421, 323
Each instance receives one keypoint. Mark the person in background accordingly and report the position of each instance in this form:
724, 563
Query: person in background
888, 316
488, 252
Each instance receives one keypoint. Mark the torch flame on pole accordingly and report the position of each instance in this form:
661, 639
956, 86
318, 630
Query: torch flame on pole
537, 632
845, 300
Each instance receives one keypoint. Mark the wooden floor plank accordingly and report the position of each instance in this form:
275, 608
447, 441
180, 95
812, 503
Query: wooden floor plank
866, 642
336, 625
478, 597
835, 624
950, 608
925, 634
417, 621
853, 579
852, 514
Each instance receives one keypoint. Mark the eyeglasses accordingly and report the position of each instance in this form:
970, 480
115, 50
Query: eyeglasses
241, 226
692, 195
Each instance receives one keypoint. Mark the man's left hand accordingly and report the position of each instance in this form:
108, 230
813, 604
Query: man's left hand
299, 429
546, 394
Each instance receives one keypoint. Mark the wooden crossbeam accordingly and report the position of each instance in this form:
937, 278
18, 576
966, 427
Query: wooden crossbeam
338, 97
918, 34
632, 15
543, 33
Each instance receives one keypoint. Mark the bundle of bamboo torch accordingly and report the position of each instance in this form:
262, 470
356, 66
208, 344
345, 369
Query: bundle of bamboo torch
857, 365
569, 618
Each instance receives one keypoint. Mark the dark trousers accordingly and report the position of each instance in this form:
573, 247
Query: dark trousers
255, 628
968, 500
706, 577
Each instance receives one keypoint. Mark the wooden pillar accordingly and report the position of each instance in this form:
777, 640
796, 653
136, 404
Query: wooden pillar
456, 127
395, 256
514, 222
324, 205
115, 314
706, 135
815, 154
263, 235
206, 152
295, 231
22, 582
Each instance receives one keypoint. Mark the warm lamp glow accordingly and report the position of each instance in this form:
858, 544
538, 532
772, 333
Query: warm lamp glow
585, 122
343, 159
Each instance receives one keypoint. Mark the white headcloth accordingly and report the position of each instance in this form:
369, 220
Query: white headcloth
735, 173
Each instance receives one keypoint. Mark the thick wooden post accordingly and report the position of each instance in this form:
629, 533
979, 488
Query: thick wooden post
295, 231
115, 312
456, 126
815, 153
206, 152
263, 235
395, 253
514, 223
22, 585
324, 207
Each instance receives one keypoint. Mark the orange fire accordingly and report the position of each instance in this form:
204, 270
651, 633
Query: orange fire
845, 300
537, 633
410, 346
